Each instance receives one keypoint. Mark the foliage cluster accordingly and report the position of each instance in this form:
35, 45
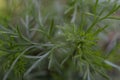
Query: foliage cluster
47, 43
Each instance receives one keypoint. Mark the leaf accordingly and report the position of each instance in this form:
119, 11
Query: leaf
114, 9
22, 36
36, 63
112, 64
43, 32
51, 27
104, 75
68, 10
100, 30
15, 61
92, 25
51, 61
114, 17
95, 7
64, 60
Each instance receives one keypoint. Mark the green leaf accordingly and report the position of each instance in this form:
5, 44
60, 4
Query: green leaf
15, 61
36, 63
112, 64
100, 30
51, 28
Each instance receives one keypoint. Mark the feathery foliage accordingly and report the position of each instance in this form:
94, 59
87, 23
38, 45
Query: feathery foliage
45, 44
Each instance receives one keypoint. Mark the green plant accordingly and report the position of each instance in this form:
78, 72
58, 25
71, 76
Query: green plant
45, 48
